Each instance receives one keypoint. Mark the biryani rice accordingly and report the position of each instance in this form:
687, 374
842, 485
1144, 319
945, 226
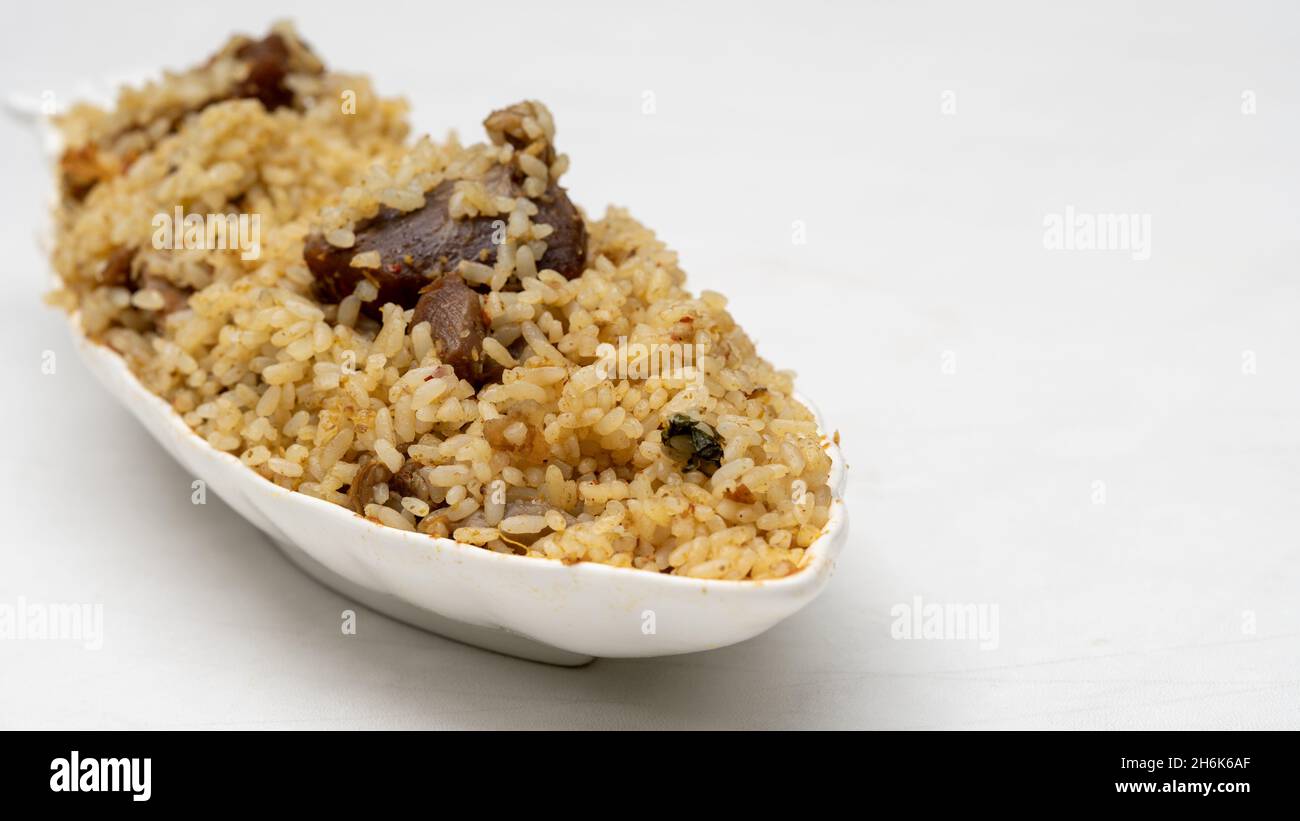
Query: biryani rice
558, 459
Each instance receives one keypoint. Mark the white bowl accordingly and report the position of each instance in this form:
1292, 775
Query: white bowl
537, 609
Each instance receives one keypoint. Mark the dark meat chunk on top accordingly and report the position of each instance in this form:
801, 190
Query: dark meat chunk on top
566, 247
418, 246
414, 247
268, 66
506, 125
458, 327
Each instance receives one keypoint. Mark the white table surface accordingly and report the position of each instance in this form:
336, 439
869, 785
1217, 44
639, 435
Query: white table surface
1173, 604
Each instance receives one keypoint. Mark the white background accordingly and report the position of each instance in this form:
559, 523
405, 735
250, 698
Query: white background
1173, 604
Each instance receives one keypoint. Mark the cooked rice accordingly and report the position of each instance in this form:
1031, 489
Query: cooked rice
555, 460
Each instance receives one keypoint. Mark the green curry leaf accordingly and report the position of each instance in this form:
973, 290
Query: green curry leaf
693, 440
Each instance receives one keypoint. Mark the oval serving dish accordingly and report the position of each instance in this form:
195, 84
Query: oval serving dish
538, 609
533, 608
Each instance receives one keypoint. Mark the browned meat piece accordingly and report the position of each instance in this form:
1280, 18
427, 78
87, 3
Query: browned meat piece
506, 125
418, 246
414, 248
362, 490
409, 481
458, 327
117, 269
117, 272
268, 66
566, 247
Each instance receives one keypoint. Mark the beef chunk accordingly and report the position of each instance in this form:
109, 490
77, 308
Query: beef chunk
117, 268
268, 66
566, 247
506, 125
458, 327
409, 481
418, 246
414, 248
